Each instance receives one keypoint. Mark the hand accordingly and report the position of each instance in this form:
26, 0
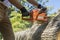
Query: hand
42, 8
24, 12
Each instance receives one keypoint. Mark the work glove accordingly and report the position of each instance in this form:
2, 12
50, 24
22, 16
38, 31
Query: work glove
40, 6
43, 9
24, 12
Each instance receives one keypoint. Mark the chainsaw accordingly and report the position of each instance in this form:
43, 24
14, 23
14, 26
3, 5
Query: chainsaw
36, 15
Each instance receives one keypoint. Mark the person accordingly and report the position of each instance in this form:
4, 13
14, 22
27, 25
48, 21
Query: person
5, 24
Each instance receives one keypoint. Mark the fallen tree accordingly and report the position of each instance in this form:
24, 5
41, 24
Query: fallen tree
45, 31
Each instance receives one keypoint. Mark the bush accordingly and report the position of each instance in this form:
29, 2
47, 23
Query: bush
17, 22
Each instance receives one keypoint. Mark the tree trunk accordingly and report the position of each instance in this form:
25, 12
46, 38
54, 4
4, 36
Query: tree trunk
45, 31
52, 29
34, 33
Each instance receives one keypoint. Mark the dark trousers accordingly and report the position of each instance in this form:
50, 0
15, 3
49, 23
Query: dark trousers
5, 24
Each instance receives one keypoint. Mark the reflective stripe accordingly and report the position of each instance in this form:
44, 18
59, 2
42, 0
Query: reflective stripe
7, 3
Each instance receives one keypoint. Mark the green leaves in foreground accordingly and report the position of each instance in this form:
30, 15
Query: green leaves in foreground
17, 23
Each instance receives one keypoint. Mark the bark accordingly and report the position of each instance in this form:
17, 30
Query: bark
52, 29
34, 33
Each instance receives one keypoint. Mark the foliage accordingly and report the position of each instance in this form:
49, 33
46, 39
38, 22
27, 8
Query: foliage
17, 22
53, 15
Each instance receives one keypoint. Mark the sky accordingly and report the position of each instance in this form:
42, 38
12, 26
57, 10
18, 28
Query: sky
55, 4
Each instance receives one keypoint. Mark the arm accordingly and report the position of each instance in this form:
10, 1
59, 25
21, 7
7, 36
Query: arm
19, 6
36, 4
16, 3
33, 2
